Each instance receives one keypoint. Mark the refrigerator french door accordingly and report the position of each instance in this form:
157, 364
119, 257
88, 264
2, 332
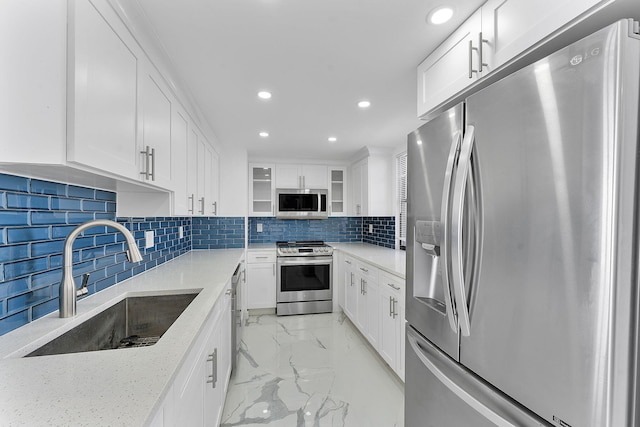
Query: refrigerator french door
535, 247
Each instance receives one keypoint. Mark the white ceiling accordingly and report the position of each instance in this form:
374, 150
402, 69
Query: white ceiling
318, 57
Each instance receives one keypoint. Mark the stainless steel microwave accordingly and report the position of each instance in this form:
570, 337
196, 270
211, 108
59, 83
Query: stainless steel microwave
301, 204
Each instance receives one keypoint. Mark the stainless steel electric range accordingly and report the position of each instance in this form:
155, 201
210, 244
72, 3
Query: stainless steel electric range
304, 277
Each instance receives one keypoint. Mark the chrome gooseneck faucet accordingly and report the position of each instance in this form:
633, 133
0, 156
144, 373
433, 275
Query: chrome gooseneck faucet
68, 293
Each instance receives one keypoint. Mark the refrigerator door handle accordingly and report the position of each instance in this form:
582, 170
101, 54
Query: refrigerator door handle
457, 259
454, 387
445, 244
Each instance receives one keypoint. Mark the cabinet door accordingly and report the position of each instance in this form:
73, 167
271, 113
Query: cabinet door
373, 329
214, 205
337, 192
388, 347
350, 289
212, 378
103, 98
179, 164
356, 189
447, 70
261, 285
201, 177
512, 26
192, 172
208, 206
261, 189
362, 306
314, 176
288, 176
155, 111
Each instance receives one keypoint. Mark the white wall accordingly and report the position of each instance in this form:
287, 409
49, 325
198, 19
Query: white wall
234, 177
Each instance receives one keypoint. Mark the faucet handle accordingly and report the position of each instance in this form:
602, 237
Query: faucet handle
83, 287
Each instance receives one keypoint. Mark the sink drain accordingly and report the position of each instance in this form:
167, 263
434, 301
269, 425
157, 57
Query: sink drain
136, 341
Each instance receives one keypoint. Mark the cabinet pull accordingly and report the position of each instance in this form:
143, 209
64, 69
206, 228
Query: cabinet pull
215, 208
201, 206
395, 313
351, 281
481, 41
348, 262
364, 269
153, 164
364, 287
390, 307
262, 257
213, 378
358, 210
191, 197
147, 166
397, 288
471, 49
481, 64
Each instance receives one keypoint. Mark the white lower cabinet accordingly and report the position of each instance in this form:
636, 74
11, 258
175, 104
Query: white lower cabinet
261, 279
374, 301
392, 323
199, 390
351, 290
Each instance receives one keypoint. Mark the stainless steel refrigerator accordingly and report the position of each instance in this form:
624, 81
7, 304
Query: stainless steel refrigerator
522, 251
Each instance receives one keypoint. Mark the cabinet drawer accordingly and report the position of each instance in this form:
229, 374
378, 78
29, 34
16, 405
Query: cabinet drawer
394, 284
367, 271
258, 257
349, 262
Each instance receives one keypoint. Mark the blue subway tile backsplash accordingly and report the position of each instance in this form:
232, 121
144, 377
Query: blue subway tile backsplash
384, 231
218, 232
36, 216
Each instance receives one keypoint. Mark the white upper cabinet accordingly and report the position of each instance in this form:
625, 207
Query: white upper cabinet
337, 191
301, 176
261, 189
371, 180
451, 67
154, 146
179, 146
495, 34
512, 26
103, 91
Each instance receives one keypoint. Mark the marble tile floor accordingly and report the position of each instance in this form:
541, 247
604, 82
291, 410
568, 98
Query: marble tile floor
314, 370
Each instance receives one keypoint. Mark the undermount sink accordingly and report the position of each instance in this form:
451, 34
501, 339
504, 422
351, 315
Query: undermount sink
136, 321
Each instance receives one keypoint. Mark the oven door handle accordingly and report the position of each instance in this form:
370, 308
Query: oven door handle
301, 260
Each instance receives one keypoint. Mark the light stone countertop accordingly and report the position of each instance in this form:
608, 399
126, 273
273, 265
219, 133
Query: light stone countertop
109, 387
390, 260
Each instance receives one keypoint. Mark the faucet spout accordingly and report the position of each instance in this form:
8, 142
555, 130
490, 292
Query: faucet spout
68, 295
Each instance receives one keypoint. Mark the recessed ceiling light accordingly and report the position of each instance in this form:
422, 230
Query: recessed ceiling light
332, 139
364, 104
440, 15
264, 134
264, 94
419, 142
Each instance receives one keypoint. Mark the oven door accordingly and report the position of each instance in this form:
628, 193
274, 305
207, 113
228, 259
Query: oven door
304, 278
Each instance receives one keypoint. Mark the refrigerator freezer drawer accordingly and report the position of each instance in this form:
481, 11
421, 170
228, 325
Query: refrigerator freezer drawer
441, 393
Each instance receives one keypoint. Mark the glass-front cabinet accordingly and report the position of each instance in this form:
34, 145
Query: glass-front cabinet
337, 191
261, 189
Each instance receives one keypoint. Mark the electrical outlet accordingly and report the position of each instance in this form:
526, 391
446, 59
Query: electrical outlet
370, 228
180, 232
148, 239
259, 228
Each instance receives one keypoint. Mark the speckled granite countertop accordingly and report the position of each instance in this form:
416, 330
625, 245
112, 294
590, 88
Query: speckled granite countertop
390, 260
110, 387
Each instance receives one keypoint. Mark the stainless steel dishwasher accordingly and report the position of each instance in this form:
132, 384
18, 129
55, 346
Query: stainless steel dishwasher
236, 314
